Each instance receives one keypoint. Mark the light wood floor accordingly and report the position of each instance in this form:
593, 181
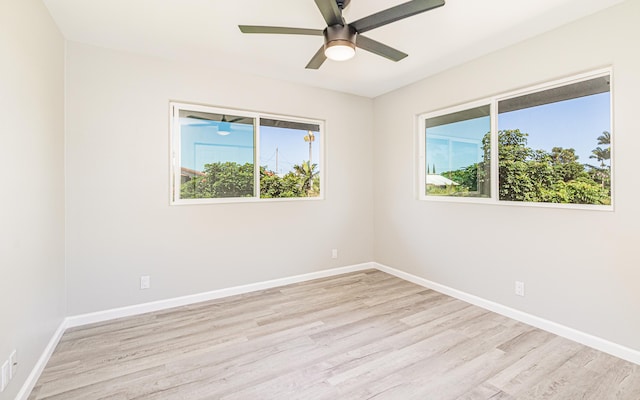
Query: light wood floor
364, 335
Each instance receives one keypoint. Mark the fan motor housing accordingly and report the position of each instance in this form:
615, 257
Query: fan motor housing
339, 34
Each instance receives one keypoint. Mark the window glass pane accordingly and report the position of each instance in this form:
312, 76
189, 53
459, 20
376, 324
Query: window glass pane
289, 159
554, 145
216, 155
457, 154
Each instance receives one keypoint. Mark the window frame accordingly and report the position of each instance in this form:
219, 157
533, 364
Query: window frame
493, 101
175, 153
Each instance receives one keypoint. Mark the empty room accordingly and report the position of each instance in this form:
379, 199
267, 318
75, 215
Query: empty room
319, 199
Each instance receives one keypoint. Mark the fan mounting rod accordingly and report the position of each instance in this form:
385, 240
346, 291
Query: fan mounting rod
343, 3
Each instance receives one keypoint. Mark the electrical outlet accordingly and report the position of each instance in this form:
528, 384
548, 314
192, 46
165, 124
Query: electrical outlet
334, 253
145, 282
5, 376
13, 365
519, 288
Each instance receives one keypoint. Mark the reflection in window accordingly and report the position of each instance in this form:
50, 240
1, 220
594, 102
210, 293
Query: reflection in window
216, 155
457, 147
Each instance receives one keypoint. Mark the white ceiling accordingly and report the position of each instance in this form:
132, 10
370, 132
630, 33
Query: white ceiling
205, 31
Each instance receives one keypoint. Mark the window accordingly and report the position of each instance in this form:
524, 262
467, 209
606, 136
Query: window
550, 145
228, 155
457, 148
554, 144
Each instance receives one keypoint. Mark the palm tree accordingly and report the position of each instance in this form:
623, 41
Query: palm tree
310, 137
601, 155
605, 138
307, 173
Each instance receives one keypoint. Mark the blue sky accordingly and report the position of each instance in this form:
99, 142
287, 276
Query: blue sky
574, 123
292, 149
201, 144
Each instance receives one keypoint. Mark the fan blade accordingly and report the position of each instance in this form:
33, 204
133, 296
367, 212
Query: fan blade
330, 12
317, 60
279, 30
380, 49
394, 14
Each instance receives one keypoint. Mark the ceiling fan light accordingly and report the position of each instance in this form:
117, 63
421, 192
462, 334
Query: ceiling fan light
224, 128
340, 50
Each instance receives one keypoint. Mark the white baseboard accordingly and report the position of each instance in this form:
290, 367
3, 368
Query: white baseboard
84, 319
32, 379
586, 339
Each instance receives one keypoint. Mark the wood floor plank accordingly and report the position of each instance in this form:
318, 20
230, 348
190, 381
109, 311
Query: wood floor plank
362, 335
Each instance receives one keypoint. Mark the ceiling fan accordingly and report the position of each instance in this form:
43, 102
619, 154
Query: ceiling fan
341, 38
223, 124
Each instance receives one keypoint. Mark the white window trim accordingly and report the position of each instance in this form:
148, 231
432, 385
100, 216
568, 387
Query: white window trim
493, 103
175, 151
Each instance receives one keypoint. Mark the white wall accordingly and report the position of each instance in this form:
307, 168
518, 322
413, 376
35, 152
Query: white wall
32, 195
120, 222
580, 267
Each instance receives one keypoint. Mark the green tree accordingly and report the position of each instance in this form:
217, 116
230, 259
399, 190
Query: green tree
273, 186
601, 155
566, 165
602, 172
466, 177
228, 179
605, 138
526, 174
309, 177
513, 170
310, 137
